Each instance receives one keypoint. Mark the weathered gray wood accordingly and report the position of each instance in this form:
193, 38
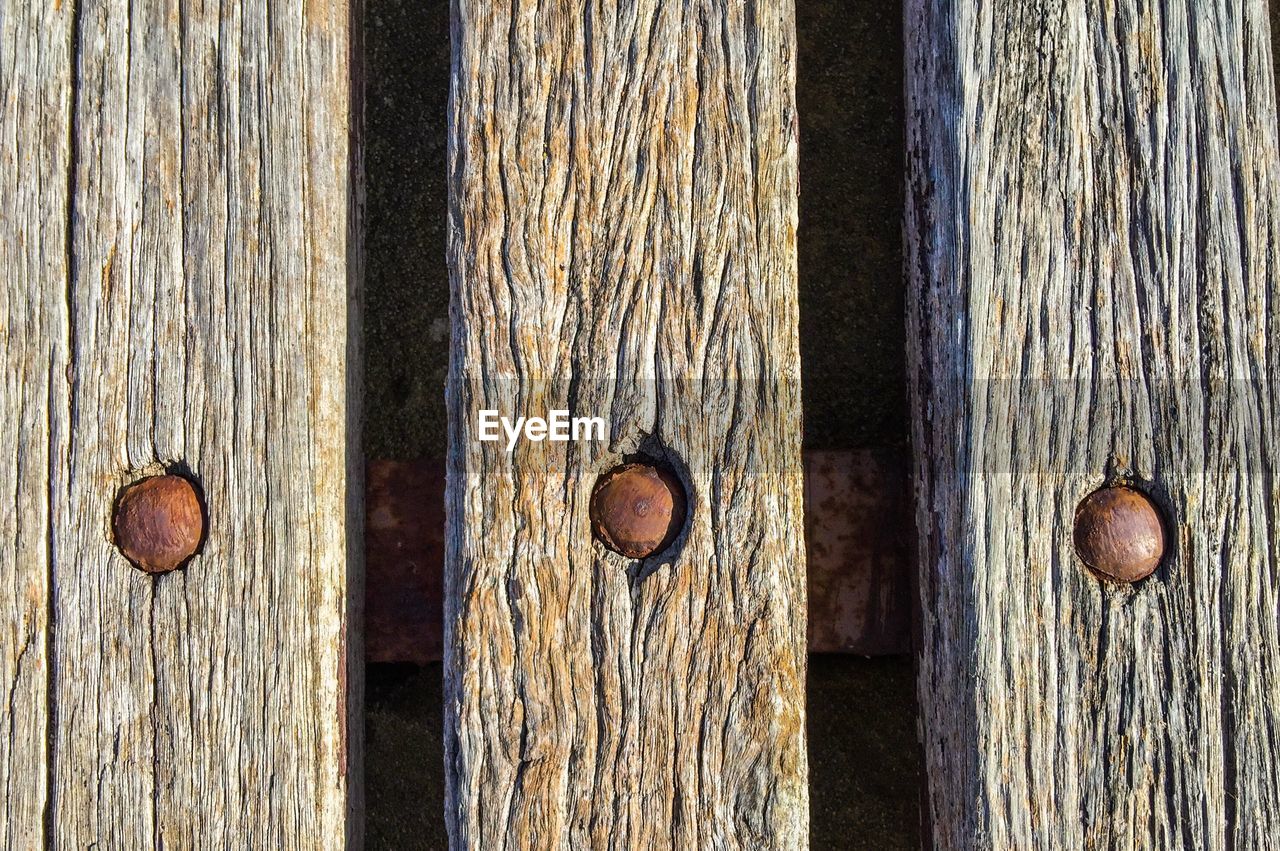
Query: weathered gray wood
178, 293
1092, 228
623, 208
34, 122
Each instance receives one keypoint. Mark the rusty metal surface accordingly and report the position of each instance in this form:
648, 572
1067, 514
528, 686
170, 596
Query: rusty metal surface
404, 561
856, 528
857, 525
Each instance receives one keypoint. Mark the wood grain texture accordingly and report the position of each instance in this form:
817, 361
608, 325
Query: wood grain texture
35, 91
179, 295
1092, 234
623, 209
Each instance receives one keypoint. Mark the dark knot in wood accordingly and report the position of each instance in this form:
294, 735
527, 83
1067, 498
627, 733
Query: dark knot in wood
1119, 533
637, 510
158, 522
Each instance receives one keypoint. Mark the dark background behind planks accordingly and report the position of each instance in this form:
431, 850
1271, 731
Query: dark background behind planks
865, 772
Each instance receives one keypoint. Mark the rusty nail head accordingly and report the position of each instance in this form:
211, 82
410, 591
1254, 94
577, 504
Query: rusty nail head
1119, 533
158, 522
637, 510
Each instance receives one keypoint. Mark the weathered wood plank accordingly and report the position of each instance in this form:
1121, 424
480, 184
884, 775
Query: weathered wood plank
623, 203
179, 293
1092, 228
35, 91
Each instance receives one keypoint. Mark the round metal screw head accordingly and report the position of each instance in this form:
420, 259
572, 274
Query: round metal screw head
637, 510
1119, 533
158, 523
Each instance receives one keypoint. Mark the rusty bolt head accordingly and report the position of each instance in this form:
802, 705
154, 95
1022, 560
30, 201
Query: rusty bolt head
1119, 533
637, 510
158, 523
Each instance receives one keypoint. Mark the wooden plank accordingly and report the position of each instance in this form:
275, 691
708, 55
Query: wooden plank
855, 520
623, 209
1092, 222
180, 298
34, 150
